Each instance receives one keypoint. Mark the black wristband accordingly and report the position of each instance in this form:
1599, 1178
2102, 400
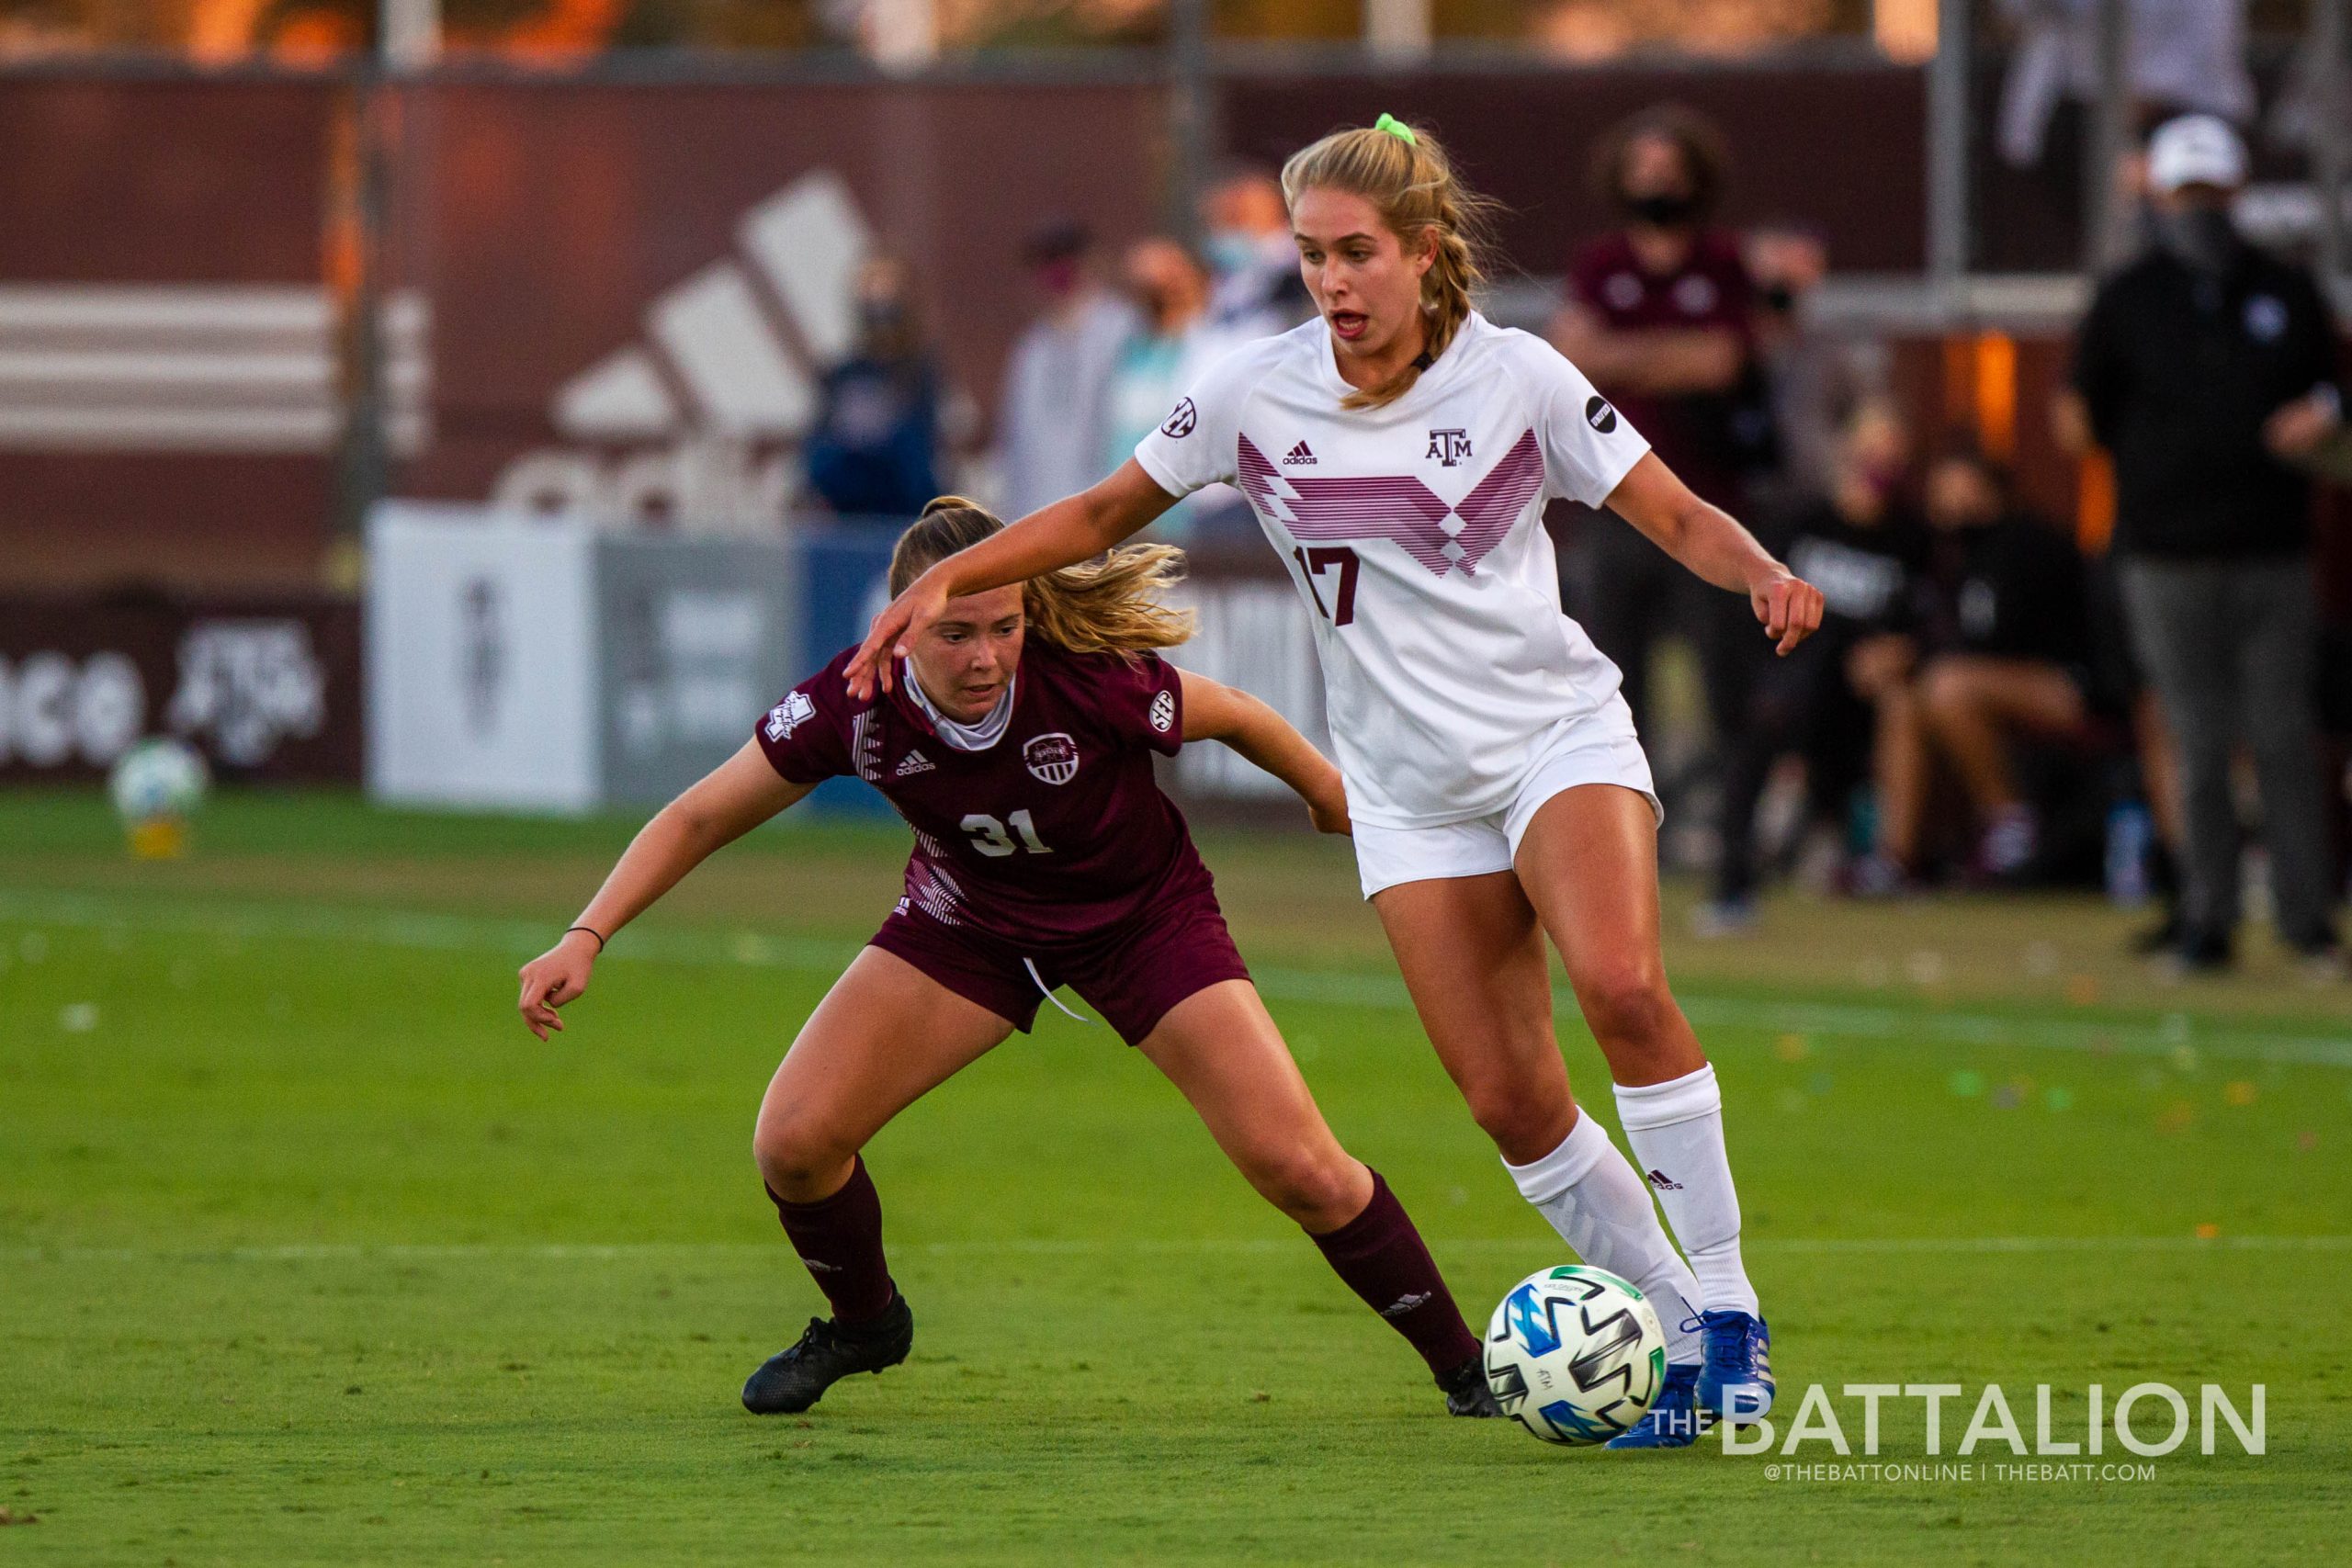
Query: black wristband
592, 930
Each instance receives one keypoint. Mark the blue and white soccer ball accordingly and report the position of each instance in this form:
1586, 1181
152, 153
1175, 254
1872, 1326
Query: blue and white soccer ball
157, 780
1575, 1355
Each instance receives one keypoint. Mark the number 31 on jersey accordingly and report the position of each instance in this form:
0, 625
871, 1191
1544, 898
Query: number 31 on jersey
990, 837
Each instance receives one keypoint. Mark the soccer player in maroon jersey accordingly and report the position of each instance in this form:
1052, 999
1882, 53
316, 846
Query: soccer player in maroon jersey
1018, 744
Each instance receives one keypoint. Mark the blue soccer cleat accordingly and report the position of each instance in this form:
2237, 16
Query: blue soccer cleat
1675, 1419
1735, 1378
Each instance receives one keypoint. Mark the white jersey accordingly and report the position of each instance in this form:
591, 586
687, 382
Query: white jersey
1415, 534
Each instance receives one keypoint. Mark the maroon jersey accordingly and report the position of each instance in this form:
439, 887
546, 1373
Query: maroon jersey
1711, 288
1055, 833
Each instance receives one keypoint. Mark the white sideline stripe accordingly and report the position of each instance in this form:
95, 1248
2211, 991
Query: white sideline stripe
191, 310
194, 367
170, 429
397, 1252
294, 370
29, 376
142, 307
456, 933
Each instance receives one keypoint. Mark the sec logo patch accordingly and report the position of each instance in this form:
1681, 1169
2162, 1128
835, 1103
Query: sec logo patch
1163, 711
1182, 422
1053, 758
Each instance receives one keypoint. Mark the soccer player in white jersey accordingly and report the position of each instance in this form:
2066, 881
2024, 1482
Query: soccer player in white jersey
1398, 450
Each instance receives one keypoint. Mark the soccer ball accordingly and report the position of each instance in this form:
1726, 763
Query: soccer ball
1575, 1355
156, 780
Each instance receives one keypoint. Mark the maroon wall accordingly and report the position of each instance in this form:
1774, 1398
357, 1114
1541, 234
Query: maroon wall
162, 181
543, 219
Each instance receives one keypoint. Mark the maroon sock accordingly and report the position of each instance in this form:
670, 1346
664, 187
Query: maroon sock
1381, 1256
840, 1238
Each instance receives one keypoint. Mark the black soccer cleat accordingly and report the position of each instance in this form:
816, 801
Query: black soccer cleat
795, 1378
1467, 1392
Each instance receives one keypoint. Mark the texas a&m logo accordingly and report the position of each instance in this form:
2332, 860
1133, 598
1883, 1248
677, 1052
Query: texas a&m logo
1449, 447
1053, 758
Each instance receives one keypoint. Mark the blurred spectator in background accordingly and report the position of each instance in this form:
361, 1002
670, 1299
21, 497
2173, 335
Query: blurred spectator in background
1659, 315
1050, 424
1860, 543
1816, 377
1174, 342
873, 452
2002, 656
2203, 368
1255, 290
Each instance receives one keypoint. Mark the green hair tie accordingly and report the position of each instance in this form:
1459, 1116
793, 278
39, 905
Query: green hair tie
1397, 129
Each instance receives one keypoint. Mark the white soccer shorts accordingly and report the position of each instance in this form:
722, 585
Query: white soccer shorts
1602, 749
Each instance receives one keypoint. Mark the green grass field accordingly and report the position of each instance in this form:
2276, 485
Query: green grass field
309, 1253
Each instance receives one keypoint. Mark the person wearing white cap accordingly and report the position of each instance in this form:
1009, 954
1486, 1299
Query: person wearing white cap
2206, 367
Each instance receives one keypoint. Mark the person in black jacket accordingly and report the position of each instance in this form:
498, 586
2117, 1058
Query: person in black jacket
2205, 367
2002, 651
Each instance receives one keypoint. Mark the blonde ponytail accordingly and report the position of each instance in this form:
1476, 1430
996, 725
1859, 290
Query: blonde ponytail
1405, 175
1114, 603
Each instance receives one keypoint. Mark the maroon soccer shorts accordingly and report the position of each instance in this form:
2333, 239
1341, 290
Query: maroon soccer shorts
1132, 973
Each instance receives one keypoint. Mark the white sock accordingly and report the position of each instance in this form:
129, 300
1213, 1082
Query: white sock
1676, 1129
1600, 1209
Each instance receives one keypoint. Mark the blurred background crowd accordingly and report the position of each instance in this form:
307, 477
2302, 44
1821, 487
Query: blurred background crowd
2056, 426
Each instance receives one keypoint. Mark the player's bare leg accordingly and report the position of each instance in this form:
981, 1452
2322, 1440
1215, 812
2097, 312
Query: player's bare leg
884, 1036
1588, 863
1472, 954
1971, 705
1224, 1055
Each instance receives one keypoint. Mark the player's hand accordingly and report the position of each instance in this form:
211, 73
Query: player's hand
1326, 793
553, 979
1331, 816
1788, 605
892, 636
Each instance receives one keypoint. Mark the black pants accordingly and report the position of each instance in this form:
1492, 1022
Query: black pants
1626, 593
1801, 706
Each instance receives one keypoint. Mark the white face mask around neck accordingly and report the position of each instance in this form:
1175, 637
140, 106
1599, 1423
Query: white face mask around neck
977, 735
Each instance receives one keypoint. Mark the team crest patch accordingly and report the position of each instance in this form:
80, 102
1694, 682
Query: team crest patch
1053, 758
790, 714
1182, 422
1163, 711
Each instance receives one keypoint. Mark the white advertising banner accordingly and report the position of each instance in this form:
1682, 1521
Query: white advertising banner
481, 661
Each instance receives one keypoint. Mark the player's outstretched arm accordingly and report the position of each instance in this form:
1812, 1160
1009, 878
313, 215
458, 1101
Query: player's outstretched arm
1073, 529
1712, 544
1214, 711
730, 801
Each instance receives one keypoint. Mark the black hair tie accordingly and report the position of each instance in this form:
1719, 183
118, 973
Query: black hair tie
1422, 361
